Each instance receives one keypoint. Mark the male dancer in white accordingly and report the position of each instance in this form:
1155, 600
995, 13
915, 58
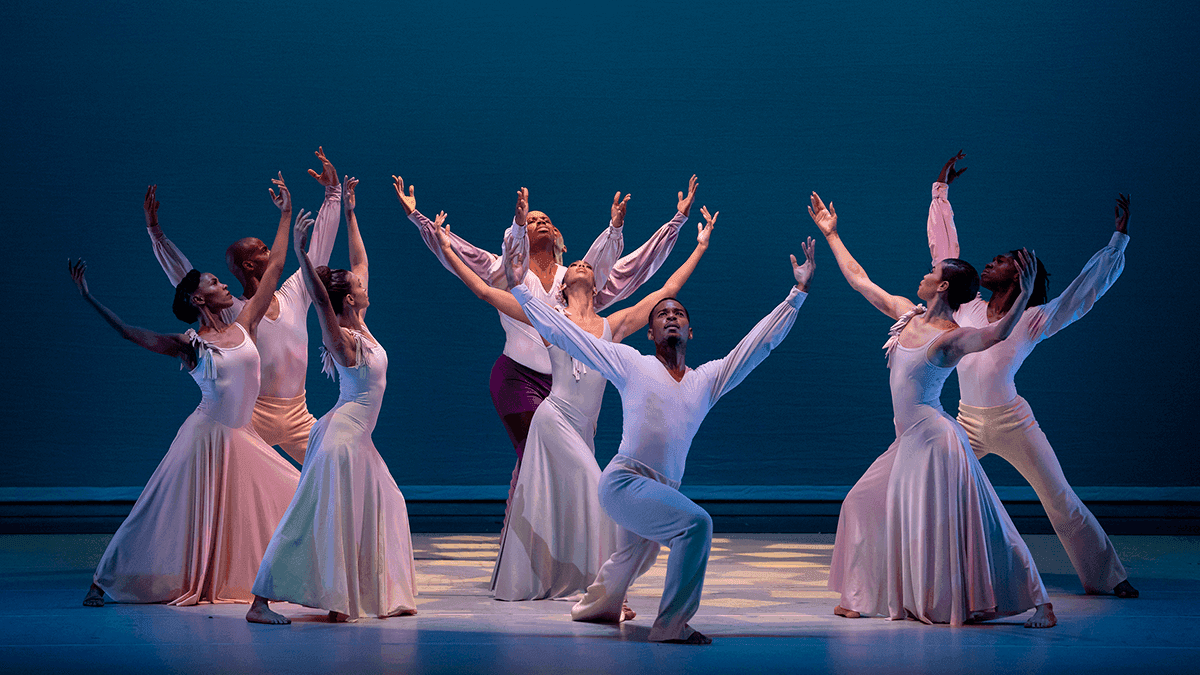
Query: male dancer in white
281, 414
663, 403
996, 418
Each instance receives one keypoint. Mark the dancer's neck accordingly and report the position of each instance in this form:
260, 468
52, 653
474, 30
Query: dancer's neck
672, 355
1002, 301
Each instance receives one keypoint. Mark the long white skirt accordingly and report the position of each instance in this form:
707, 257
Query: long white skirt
200, 527
344, 543
923, 534
558, 536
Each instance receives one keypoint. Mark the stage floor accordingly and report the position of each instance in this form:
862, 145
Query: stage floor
765, 605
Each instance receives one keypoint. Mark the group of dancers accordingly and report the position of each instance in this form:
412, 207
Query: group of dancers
922, 535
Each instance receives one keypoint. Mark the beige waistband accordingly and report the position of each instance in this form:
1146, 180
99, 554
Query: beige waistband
993, 411
281, 402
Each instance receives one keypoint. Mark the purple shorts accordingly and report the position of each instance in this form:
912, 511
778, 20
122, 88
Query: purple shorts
516, 391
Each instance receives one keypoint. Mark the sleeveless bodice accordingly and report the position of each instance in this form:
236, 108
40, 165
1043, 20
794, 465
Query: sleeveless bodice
577, 391
362, 385
228, 378
916, 383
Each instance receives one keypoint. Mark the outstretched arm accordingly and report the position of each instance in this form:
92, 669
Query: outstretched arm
727, 373
943, 237
1098, 275
168, 344
628, 274
963, 341
358, 252
256, 307
631, 319
332, 335
174, 263
501, 300
324, 233
486, 265
826, 219
610, 359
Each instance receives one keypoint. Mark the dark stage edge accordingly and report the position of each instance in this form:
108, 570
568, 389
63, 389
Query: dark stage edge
765, 604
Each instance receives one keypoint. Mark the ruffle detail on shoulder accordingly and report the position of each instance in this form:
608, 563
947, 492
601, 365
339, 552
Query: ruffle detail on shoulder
898, 327
204, 354
327, 362
578, 369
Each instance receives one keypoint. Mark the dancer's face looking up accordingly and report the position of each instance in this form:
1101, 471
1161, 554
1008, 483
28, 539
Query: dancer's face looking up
247, 258
932, 284
538, 226
212, 293
999, 274
669, 322
580, 272
357, 297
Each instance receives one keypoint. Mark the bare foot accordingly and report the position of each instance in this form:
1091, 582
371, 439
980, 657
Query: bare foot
627, 612
848, 613
1121, 590
696, 638
1043, 617
260, 612
95, 597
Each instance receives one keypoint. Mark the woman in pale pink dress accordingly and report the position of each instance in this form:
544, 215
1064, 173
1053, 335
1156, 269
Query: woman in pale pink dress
922, 534
201, 525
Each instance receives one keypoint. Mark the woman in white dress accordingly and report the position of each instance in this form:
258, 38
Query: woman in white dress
201, 524
558, 536
344, 544
922, 534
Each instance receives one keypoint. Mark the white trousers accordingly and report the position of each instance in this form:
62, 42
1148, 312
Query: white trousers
650, 512
285, 422
1011, 432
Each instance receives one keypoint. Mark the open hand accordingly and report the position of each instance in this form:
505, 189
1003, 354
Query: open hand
302, 229
1027, 267
703, 232
618, 209
949, 173
443, 233
1121, 210
348, 194
521, 214
150, 206
803, 273
826, 219
284, 199
76, 270
408, 201
328, 175
685, 203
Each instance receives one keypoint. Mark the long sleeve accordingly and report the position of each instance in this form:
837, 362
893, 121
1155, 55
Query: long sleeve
487, 265
1094, 281
729, 372
173, 261
326, 227
607, 358
627, 274
943, 238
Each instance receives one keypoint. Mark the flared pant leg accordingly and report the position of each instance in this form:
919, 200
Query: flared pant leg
651, 512
1011, 432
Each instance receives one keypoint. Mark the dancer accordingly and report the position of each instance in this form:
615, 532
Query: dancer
203, 521
557, 535
520, 378
281, 414
663, 403
344, 543
922, 534
996, 418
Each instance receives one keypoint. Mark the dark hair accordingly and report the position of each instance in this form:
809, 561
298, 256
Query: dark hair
337, 284
184, 310
650, 316
963, 279
1041, 283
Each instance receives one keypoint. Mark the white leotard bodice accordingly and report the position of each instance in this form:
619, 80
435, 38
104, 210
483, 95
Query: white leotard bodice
916, 383
360, 387
228, 378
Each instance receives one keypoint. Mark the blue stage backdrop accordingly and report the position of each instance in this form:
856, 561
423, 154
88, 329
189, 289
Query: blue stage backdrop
1059, 106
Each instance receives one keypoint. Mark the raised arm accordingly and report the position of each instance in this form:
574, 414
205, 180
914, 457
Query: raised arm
826, 220
332, 335
358, 252
1098, 275
627, 274
167, 344
501, 300
963, 341
631, 319
174, 263
324, 233
486, 265
256, 307
610, 359
943, 237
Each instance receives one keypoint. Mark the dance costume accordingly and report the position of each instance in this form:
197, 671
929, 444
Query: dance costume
640, 487
281, 415
999, 421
